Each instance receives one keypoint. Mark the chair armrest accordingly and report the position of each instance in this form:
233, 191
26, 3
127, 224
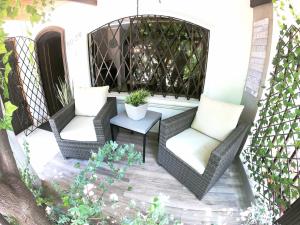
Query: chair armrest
60, 119
174, 125
102, 119
233, 141
221, 158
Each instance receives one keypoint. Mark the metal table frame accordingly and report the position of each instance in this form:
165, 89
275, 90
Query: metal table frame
131, 129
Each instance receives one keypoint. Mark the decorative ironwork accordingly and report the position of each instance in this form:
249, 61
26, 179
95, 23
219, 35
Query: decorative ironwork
21, 117
26, 70
162, 54
274, 155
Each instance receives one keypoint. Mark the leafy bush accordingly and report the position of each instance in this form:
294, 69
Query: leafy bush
258, 213
85, 201
156, 214
137, 98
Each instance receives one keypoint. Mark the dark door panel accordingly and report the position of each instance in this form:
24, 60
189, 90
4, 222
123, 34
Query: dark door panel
51, 67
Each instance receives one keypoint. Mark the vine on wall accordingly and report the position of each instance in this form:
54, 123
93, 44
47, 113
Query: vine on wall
273, 156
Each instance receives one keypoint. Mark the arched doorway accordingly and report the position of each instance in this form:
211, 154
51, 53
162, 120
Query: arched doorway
52, 61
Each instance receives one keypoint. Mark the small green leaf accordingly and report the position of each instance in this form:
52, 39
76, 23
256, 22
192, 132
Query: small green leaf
9, 108
2, 48
6, 57
7, 71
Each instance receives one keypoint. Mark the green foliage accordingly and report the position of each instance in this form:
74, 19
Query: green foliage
33, 12
272, 155
9, 9
191, 68
137, 98
176, 59
63, 91
84, 200
5, 122
285, 9
258, 213
31, 181
155, 215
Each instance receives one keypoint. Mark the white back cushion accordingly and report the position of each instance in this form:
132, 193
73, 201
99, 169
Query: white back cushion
215, 118
89, 100
80, 128
192, 147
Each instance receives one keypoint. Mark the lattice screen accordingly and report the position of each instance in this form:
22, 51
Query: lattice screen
274, 152
27, 68
165, 55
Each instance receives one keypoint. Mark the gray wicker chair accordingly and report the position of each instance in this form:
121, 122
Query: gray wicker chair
220, 158
83, 149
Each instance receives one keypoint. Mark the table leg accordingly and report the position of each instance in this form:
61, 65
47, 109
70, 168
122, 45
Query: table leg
144, 147
112, 132
159, 129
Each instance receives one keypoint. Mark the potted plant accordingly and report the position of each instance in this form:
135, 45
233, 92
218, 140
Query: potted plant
63, 92
136, 105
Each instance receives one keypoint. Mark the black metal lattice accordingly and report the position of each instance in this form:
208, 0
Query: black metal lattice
274, 156
162, 54
26, 71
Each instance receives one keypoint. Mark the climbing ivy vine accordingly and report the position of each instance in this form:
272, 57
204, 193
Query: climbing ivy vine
273, 156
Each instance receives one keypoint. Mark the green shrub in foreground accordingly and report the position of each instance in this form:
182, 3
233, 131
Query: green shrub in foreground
85, 201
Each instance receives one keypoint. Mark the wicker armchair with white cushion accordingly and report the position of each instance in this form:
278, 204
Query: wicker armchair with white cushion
83, 126
198, 145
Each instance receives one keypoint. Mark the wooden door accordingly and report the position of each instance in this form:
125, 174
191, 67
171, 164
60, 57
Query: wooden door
49, 51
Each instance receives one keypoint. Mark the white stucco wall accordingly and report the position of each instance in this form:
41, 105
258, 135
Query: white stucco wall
229, 22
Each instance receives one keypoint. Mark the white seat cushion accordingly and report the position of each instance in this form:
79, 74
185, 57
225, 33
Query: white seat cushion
89, 100
215, 118
192, 147
80, 128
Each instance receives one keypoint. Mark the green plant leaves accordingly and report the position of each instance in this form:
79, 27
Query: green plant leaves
137, 98
9, 108
84, 199
272, 155
34, 14
5, 122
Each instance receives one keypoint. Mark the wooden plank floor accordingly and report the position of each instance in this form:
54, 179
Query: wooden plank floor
221, 205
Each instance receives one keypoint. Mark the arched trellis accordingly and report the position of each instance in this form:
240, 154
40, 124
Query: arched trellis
165, 55
25, 86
